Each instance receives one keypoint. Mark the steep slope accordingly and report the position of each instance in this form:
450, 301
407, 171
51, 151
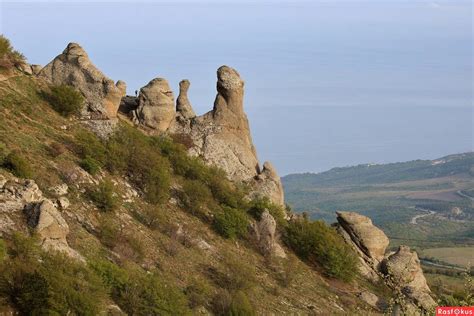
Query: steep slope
144, 228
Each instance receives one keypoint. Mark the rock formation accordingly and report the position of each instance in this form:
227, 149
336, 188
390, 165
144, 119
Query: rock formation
73, 67
401, 270
265, 234
183, 106
20, 197
222, 136
404, 271
156, 108
370, 239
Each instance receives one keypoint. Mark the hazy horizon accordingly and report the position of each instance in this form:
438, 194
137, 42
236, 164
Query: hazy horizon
328, 84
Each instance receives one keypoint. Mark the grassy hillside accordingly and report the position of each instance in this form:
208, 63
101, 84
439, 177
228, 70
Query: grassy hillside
178, 246
422, 202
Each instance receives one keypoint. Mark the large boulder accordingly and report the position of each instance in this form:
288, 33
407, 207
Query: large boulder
156, 108
73, 67
404, 271
371, 240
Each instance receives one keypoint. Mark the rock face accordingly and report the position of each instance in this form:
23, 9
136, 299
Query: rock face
404, 270
73, 67
156, 108
264, 232
183, 106
370, 239
267, 183
222, 136
401, 270
20, 197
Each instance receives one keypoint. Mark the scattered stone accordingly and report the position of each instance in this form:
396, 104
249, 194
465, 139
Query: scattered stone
63, 203
60, 190
373, 300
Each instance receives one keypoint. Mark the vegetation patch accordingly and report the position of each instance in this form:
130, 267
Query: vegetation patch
319, 244
65, 100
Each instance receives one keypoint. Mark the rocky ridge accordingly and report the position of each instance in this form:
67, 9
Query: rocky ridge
221, 137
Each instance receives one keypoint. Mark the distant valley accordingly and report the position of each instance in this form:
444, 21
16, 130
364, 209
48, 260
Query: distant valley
426, 203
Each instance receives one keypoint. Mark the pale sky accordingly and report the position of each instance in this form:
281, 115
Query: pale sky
328, 83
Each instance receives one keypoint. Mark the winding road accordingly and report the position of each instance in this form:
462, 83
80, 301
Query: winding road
417, 217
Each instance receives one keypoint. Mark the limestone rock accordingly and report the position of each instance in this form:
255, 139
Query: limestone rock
156, 108
122, 86
50, 226
264, 232
366, 264
222, 136
73, 67
267, 183
183, 106
370, 239
36, 69
373, 300
63, 203
404, 269
25, 68
60, 189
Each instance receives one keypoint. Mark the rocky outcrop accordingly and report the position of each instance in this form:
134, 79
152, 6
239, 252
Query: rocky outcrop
222, 136
156, 108
370, 239
267, 183
404, 271
50, 227
401, 271
265, 234
183, 106
20, 198
73, 67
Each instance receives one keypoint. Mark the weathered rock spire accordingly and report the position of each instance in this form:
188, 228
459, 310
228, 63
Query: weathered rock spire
183, 106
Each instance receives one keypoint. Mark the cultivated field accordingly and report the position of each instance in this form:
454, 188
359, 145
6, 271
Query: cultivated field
460, 256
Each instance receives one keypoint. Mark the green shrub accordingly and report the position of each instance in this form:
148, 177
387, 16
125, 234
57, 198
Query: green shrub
197, 198
89, 145
110, 233
240, 306
198, 293
318, 243
65, 100
235, 274
9, 57
231, 223
147, 294
18, 165
39, 283
90, 165
258, 205
104, 196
